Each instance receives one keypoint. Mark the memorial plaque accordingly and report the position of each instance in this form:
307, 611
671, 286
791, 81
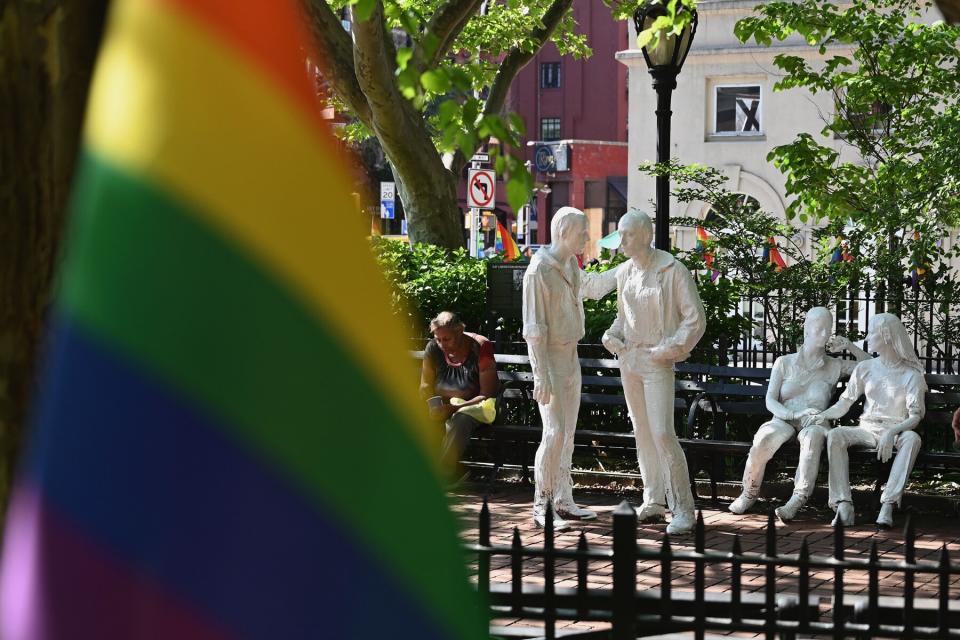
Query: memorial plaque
505, 288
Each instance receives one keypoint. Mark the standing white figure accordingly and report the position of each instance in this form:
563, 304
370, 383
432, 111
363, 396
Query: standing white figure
801, 385
553, 323
660, 318
894, 388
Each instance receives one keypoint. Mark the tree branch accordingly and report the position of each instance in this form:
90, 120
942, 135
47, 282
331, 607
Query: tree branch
400, 129
374, 61
334, 42
511, 65
446, 24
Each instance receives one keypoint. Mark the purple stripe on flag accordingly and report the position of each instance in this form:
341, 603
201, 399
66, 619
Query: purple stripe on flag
55, 584
162, 487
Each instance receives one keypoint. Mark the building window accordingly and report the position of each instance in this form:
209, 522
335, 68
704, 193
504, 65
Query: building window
876, 120
550, 75
549, 129
737, 110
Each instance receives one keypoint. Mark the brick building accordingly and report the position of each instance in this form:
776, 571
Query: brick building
575, 111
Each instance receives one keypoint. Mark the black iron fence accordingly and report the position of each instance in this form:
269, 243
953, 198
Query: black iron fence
784, 605
776, 327
777, 323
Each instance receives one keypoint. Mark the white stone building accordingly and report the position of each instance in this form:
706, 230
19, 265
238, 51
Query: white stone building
725, 114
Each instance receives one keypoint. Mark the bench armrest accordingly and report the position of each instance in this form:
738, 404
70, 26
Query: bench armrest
524, 404
693, 414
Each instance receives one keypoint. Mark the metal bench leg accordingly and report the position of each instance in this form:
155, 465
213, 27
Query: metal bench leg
526, 467
713, 477
498, 453
692, 471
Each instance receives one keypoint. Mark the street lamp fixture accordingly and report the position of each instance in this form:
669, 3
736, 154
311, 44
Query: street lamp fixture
665, 57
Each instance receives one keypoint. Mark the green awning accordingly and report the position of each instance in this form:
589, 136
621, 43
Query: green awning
611, 241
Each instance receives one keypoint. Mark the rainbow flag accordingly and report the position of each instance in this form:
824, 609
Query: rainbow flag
212, 386
841, 252
504, 243
702, 247
771, 255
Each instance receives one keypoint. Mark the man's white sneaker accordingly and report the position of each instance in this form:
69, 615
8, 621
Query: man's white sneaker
651, 511
559, 524
789, 510
681, 523
741, 504
575, 512
844, 514
885, 518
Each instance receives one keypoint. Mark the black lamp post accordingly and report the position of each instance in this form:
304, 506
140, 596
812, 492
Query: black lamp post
664, 61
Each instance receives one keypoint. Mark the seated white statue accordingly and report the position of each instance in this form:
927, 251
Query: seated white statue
894, 388
801, 385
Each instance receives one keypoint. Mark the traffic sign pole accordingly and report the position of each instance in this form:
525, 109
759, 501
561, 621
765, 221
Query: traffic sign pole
481, 194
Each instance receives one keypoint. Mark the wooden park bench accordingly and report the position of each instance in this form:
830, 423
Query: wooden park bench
717, 409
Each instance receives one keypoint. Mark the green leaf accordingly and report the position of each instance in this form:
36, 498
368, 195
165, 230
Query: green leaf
403, 57
435, 81
363, 9
518, 191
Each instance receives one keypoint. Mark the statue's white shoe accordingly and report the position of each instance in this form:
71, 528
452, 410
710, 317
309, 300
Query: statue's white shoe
844, 514
741, 504
559, 524
789, 510
577, 513
681, 523
885, 517
651, 511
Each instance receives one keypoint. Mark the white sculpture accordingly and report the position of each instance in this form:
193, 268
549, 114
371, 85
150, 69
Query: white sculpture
553, 323
660, 318
801, 386
894, 387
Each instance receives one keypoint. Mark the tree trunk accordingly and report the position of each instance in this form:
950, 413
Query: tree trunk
430, 205
47, 52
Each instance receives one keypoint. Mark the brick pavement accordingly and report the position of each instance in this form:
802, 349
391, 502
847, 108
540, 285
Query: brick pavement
510, 506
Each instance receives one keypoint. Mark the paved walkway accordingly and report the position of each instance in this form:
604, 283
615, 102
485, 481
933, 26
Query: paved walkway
510, 507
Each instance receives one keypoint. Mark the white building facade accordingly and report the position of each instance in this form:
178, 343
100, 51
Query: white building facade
725, 115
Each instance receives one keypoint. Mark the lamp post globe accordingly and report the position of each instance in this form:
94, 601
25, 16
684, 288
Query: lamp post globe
665, 57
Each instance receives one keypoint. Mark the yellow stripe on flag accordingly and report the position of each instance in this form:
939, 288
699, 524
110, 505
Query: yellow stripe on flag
210, 129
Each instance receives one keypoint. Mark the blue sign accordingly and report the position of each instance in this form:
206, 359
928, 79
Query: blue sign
387, 198
544, 159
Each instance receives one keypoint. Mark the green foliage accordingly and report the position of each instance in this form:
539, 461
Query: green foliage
897, 99
427, 279
739, 232
448, 92
679, 14
600, 314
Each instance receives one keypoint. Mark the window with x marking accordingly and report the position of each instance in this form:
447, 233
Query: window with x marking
737, 109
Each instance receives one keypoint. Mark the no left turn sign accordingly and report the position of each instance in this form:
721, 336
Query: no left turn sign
481, 188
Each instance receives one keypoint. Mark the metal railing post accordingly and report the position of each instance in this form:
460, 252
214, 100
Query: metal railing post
624, 572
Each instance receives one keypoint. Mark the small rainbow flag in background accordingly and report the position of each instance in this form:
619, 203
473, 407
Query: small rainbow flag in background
703, 243
841, 252
505, 243
212, 387
771, 255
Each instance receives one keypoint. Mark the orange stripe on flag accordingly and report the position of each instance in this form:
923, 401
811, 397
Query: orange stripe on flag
270, 34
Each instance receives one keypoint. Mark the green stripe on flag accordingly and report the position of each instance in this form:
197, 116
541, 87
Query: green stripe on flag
167, 292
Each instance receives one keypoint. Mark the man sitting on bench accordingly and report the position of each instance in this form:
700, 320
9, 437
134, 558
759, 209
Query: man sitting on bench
460, 373
801, 385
